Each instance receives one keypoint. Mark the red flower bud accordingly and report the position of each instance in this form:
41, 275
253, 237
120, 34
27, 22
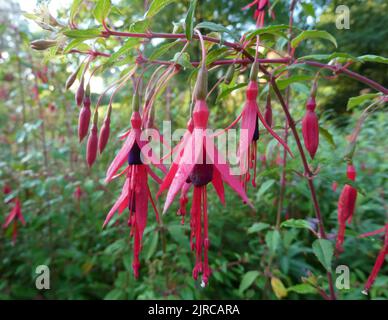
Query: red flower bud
79, 95
268, 112
310, 130
91, 148
84, 119
104, 135
346, 206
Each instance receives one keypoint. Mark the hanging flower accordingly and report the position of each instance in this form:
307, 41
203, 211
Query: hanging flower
379, 261
249, 134
198, 164
14, 216
77, 194
135, 194
259, 14
346, 206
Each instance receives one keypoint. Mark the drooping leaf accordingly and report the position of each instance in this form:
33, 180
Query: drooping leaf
278, 288
101, 10
323, 250
189, 21
356, 101
327, 135
313, 34
248, 280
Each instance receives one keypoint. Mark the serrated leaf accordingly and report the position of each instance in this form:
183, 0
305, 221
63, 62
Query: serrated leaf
257, 227
356, 101
278, 288
248, 280
83, 34
101, 10
313, 34
296, 223
373, 58
272, 239
327, 135
217, 28
156, 6
324, 250
189, 21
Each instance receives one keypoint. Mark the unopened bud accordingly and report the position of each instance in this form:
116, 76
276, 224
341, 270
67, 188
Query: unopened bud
43, 44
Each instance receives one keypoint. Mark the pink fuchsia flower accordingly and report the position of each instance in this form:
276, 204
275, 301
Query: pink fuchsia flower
379, 261
14, 216
135, 194
346, 206
259, 14
250, 117
199, 163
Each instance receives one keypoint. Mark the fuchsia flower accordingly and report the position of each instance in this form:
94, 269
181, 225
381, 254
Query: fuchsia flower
14, 216
259, 14
198, 162
380, 259
346, 206
250, 117
135, 193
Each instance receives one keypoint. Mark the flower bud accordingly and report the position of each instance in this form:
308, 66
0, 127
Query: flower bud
43, 44
84, 119
79, 95
70, 80
201, 84
229, 74
268, 111
91, 148
310, 128
104, 135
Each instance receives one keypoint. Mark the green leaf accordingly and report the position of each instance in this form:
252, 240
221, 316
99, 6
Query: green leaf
303, 288
217, 28
101, 10
296, 223
225, 92
324, 250
275, 30
156, 6
356, 101
83, 34
313, 34
183, 59
373, 58
248, 280
162, 49
125, 48
272, 239
77, 43
284, 83
189, 21
153, 246
115, 294
308, 8
257, 227
327, 135
264, 187
340, 57
74, 8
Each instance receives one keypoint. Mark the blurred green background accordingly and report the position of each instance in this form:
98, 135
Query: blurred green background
43, 163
